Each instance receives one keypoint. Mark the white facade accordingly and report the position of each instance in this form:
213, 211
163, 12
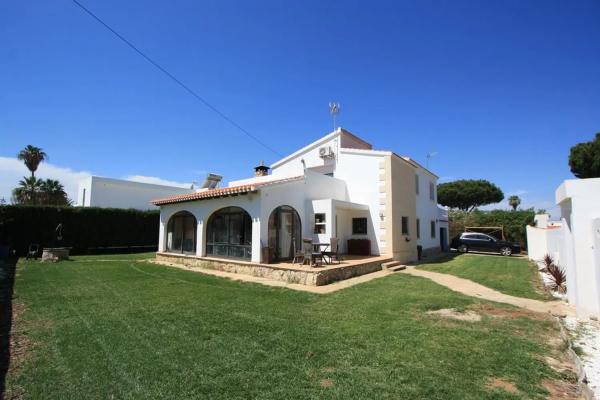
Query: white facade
336, 185
575, 242
96, 191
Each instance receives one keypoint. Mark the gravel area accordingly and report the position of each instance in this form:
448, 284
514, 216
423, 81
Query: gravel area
585, 336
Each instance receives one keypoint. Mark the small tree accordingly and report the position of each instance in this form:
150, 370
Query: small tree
466, 194
584, 159
32, 157
28, 190
514, 202
53, 194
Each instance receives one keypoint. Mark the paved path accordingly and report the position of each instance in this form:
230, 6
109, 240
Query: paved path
473, 289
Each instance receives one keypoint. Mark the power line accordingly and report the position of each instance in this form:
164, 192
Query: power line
176, 80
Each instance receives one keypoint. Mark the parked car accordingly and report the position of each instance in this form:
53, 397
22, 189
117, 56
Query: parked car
467, 241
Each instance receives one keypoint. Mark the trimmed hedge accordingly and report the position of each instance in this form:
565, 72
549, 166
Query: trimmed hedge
514, 222
83, 228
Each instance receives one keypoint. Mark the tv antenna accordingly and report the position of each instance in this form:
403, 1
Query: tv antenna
429, 156
334, 109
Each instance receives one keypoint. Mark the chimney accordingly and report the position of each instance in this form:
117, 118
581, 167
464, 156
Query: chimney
261, 170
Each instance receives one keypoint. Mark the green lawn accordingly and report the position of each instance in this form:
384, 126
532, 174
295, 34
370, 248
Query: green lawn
127, 330
511, 275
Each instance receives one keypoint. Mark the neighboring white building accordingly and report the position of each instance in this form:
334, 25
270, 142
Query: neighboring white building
96, 191
575, 242
337, 186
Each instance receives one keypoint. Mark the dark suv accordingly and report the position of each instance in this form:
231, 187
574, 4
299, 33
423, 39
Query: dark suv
481, 242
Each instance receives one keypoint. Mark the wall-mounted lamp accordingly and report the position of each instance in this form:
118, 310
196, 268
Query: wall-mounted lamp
303, 163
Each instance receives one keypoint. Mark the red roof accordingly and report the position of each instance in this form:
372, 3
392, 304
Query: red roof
221, 192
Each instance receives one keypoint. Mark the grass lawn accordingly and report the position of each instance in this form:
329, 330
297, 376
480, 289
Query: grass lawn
515, 276
127, 330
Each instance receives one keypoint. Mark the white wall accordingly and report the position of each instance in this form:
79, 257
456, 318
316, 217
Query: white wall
360, 169
542, 241
575, 243
116, 193
427, 210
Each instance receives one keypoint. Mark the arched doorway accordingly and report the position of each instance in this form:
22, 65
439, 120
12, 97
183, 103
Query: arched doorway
285, 229
229, 234
181, 233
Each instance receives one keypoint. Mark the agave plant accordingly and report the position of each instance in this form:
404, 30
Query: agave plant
558, 277
548, 260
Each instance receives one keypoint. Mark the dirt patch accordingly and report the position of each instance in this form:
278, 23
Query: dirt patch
500, 383
18, 350
560, 389
470, 316
510, 313
326, 383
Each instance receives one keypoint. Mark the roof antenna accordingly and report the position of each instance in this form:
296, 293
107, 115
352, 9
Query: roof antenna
429, 156
334, 109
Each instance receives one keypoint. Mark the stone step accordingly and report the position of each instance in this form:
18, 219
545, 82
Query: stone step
390, 264
397, 268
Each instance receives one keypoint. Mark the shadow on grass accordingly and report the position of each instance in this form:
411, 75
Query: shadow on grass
438, 259
7, 279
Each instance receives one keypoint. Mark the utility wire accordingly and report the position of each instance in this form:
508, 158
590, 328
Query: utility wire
176, 80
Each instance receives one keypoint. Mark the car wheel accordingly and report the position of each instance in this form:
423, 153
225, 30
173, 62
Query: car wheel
506, 251
463, 248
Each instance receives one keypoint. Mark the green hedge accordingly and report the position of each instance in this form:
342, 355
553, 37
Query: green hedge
513, 222
83, 228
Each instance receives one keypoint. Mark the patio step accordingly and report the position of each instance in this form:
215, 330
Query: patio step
393, 266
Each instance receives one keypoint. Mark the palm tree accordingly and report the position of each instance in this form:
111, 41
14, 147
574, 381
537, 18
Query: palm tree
27, 190
32, 157
514, 202
53, 193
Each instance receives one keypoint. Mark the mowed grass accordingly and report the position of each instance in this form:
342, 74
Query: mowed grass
134, 330
515, 276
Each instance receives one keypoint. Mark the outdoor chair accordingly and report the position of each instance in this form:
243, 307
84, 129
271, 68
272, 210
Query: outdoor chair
32, 252
298, 253
333, 251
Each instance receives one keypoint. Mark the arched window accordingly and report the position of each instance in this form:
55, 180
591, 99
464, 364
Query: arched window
285, 232
181, 233
229, 234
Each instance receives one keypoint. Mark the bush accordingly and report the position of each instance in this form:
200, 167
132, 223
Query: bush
83, 228
513, 222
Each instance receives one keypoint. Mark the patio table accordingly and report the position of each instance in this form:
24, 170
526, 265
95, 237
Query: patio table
321, 247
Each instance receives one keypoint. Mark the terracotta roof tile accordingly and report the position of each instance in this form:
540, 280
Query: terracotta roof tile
221, 192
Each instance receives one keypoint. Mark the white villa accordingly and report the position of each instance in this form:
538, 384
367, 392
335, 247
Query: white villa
376, 203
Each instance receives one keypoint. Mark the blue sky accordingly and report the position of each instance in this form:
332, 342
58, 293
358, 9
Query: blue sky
501, 90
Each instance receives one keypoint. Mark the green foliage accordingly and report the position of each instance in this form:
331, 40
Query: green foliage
584, 159
83, 228
124, 330
514, 202
467, 194
513, 222
32, 157
34, 191
509, 275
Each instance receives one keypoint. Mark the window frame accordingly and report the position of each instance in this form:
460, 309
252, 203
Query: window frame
404, 228
433, 227
359, 222
322, 224
431, 191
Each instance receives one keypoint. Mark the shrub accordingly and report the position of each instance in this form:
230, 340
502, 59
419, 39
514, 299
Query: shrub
558, 277
513, 222
548, 261
83, 228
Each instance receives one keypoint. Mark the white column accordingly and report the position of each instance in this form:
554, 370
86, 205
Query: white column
256, 244
161, 236
200, 239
